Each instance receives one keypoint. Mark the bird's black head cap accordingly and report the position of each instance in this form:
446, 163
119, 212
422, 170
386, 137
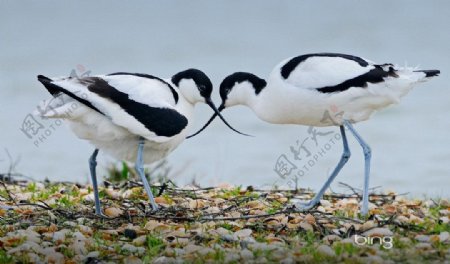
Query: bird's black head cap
202, 81
238, 77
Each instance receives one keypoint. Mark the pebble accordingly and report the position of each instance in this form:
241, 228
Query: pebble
192, 248
164, 260
70, 223
325, 203
93, 254
139, 241
378, 231
113, 212
232, 257
306, 226
79, 248
444, 236
55, 258
246, 254
423, 245
132, 260
326, 250
78, 236
130, 233
89, 198
242, 233
60, 235
422, 238
85, 230
368, 225
132, 249
331, 238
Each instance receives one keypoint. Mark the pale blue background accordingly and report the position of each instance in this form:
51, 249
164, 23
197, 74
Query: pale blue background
410, 142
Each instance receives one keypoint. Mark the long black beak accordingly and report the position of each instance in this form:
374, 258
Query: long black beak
216, 113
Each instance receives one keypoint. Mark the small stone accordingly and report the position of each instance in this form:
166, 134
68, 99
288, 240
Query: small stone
246, 255
309, 218
112, 193
374, 259
220, 231
444, 236
86, 230
378, 232
93, 254
206, 251
405, 240
368, 225
325, 203
89, 198
429, 203
331, 238
191, 248
164, 260
402, 219
132, 260
70, 223
130, 233
243, 233
423, 245
60, 235
113, 212
287, 260
139, 241
422, 238
231, 257
55, 258
414, 219
306, 226
129, 248
79, 248
326, 250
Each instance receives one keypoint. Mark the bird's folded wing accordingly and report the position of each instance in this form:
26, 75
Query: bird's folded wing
143, 106
331, 72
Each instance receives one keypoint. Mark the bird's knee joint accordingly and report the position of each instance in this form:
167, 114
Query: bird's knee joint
138, 168
346, 155
367, 151
92, 162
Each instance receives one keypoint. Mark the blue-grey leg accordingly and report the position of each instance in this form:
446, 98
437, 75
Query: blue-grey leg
92, 165
367, 156
139, 166
344, 158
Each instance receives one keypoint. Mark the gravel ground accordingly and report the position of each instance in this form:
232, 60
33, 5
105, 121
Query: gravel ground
55, 223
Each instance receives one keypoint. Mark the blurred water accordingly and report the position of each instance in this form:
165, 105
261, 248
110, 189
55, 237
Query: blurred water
410, 142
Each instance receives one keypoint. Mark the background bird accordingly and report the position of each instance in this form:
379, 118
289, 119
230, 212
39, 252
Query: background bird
323, 89
134, 117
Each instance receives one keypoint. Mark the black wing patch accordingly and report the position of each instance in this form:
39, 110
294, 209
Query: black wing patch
162, 121
375, 75
56, 89
174, 93
290, 66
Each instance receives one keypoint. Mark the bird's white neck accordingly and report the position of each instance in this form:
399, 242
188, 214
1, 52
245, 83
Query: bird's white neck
242, 94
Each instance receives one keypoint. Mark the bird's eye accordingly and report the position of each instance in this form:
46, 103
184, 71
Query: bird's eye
202, 87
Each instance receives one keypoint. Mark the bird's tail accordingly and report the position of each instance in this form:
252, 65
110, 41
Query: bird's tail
429, 73
47, 82
58, 105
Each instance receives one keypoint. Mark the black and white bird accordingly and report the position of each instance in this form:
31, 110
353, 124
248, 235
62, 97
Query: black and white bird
134, 117
323, 89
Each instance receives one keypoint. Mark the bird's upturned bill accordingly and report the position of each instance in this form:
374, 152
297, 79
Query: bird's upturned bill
217, 113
